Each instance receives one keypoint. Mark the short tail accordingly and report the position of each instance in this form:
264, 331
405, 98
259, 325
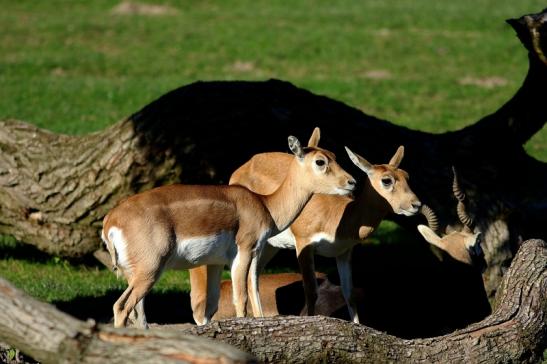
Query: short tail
113, 255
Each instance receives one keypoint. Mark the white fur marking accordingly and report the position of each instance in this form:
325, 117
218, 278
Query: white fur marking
235, 264
216, 249
115, 236
283, 240
326, 246
470, 241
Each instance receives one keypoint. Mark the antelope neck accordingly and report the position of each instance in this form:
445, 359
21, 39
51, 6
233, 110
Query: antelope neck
286, 203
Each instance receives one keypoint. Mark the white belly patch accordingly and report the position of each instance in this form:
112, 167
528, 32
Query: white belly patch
216, 249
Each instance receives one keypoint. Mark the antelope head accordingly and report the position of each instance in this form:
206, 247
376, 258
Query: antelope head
464, 245
334, 180
390, 182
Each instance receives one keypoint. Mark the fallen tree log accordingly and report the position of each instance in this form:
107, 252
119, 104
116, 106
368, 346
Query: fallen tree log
55, 189
516, 332
51, 336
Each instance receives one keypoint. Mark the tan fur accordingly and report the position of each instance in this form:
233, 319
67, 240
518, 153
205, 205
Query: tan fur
455, 243
461, 243
347, 220
153, 224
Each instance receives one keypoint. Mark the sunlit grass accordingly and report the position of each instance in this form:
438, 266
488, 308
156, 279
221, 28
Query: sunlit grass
75, 67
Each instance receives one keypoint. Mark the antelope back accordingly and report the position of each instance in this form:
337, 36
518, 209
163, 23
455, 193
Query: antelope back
263, 173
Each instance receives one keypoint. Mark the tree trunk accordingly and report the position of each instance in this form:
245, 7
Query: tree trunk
50, 336
516, 332
55, 189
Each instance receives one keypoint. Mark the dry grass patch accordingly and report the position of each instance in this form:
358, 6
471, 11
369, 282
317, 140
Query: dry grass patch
485, 82
132, 8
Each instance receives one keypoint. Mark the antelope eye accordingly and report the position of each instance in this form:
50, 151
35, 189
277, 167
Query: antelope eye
320, 162
386, 181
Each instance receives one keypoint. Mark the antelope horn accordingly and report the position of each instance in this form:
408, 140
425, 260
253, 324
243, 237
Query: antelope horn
432, 220
460, 196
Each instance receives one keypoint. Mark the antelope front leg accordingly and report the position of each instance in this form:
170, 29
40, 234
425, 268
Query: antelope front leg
214, 274
198, 293
343, 263
253, 278
240, 273
268, 252
307, 268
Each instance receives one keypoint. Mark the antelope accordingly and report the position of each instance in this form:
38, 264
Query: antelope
328, 225
463, 244
184, 226
275, 289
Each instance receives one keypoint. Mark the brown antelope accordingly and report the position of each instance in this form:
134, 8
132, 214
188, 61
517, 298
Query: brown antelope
184, 226
328, 225
277, 291
463, 244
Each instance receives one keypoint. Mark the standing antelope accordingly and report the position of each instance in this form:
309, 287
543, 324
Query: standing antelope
328, 225
184, 226
463, 245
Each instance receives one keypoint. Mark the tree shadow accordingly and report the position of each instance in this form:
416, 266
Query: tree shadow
409, 293
406, 290
171, 307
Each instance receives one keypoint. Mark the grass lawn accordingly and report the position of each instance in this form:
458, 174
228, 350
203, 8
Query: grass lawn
76, 67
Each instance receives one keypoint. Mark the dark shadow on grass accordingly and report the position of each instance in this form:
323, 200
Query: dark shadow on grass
11, 249
172, 307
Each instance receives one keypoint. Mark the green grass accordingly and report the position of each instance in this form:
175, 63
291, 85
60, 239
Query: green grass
56, 279
74, 67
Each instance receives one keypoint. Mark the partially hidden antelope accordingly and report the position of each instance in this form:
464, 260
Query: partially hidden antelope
277, 295
328, 225
460, 243
184, 226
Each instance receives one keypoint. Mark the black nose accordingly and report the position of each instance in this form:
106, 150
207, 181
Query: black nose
416, 204
351, 182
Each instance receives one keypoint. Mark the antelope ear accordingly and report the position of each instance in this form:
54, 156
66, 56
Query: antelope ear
430, 236
397, 157
314, 139
295, 147
360, 162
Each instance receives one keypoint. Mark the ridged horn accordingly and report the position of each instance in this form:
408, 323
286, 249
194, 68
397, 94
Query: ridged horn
466, 220
432, 220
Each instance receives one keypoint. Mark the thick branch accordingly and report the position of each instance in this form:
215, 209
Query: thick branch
523, 116
50, 336
515, 332
55, 189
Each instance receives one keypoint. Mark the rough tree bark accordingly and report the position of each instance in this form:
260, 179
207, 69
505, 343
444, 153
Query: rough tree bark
51, 336
515, 332
55, 189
